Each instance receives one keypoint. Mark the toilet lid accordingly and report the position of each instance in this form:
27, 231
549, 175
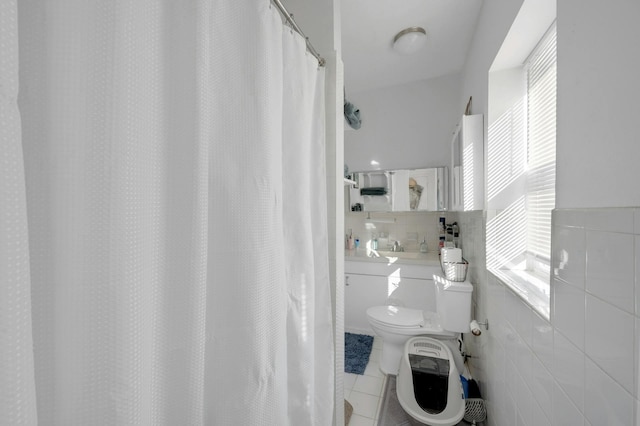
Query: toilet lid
397, 315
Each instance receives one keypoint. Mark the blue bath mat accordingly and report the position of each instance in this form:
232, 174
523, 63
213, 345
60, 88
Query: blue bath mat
357, 348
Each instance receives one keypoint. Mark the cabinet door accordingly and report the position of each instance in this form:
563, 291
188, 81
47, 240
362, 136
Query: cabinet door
362, 292
467, 164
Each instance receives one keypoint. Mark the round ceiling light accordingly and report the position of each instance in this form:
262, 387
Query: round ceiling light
410, 40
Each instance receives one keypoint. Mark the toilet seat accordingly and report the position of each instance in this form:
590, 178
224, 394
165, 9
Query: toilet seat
407, 321
397, 316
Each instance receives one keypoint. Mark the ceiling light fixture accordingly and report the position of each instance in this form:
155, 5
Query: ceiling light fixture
410, 40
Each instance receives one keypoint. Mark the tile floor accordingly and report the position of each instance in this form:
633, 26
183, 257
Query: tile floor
364, 392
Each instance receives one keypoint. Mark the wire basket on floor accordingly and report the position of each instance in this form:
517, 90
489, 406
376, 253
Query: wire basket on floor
455, 271
474, 410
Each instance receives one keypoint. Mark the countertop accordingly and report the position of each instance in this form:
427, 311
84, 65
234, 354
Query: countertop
403, 257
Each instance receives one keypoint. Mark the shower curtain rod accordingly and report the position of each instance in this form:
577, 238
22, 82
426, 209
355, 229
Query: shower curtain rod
292, 22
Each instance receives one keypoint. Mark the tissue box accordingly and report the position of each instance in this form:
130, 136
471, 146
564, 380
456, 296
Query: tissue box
453, 255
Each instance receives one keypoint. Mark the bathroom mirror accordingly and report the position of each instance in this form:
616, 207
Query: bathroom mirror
399, 190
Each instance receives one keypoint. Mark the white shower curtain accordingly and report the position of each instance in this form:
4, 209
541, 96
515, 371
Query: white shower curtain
174, 267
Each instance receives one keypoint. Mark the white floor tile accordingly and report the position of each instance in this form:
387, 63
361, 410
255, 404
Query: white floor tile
377, 342
364, 404
369, 385
380, 402
373, 369
375, 355
357, 420
349, 380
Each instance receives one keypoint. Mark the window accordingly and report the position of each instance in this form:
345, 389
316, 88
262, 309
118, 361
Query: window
541, 150
521, 172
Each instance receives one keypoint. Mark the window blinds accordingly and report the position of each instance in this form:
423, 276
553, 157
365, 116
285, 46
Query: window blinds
541, 128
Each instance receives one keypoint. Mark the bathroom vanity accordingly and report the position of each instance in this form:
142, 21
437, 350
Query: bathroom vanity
404, 279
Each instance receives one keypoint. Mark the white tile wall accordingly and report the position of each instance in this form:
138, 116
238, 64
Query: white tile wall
569, 311
568, 369
610, 268
609, 340
570, 269
606, 403
582, 365
564, 412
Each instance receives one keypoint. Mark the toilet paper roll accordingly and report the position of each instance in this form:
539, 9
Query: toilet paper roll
475, 328
451, 254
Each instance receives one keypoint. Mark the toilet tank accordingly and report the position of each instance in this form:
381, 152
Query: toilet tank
453, 304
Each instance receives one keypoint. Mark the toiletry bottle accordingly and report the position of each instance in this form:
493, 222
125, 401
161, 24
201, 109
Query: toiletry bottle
423, 245
449, 236
456, 235
350, 240
441, 231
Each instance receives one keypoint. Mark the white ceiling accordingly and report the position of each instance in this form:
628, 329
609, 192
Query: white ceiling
368, 28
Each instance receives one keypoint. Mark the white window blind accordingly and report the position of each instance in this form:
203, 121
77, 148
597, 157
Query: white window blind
541, 149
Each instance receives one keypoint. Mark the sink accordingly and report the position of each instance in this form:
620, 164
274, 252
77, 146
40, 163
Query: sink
403, 254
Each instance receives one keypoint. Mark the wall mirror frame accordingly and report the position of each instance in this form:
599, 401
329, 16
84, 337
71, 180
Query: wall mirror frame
402, 190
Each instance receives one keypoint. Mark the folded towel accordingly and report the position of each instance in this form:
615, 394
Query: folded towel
373, 191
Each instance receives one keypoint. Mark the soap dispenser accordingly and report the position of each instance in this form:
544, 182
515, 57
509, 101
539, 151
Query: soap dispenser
423, 245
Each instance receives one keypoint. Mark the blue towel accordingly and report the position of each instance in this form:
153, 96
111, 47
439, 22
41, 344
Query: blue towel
373, 191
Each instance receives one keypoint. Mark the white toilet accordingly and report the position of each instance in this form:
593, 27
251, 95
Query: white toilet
397, 325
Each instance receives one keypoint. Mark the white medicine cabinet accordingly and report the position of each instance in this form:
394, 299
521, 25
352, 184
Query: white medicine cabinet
399, 190
467, 164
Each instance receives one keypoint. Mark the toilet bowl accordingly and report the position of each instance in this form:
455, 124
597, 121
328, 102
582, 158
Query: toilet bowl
428, 385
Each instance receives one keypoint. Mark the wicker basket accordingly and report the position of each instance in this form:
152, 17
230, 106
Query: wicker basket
474, 410
455, 271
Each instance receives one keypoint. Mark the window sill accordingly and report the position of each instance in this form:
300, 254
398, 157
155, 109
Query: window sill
529, 287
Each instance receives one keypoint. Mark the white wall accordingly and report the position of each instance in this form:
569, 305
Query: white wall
494, 22
505, 177
598, 147
404, 126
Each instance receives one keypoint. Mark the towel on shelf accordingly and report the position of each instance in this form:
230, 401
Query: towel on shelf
373, 191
